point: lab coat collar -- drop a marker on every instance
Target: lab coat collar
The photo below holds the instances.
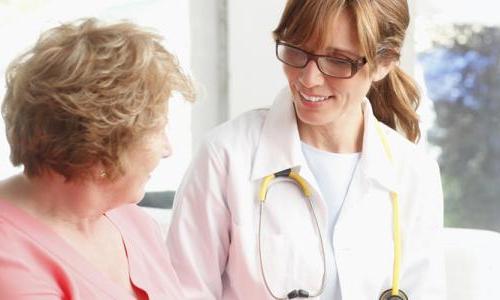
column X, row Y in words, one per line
column 280, row 147
column 375, row 162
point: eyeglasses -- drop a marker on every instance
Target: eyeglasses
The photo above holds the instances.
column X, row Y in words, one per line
column 329, row 65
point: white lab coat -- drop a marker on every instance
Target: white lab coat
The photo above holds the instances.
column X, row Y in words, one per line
column 213, row 235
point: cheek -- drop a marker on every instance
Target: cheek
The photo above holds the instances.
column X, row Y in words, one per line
column 344, row 86
column 291, row 73
column 166, row 147
column 356, row 87
column 154, row 157
column 155, row 149
column 146, row 161
column 363, row 87
column 364, row 81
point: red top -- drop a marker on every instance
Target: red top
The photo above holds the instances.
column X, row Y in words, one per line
column 36, row 263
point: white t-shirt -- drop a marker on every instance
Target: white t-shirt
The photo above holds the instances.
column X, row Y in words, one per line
column 333, row 173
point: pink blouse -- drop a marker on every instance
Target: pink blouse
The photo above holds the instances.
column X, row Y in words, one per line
column 36, row 263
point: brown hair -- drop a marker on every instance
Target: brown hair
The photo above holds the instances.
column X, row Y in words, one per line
column 84, row 94
column 381, row 27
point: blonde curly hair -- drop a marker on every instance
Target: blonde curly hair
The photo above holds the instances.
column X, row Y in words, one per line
column 84, row 94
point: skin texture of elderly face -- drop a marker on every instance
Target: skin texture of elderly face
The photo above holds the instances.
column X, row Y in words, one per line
column 141, row 159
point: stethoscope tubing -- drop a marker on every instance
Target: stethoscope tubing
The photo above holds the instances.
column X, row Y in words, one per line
column 301, row 183
column 394, row 292
column 396, row 230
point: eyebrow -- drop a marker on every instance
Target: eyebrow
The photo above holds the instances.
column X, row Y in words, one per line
column 349, row 53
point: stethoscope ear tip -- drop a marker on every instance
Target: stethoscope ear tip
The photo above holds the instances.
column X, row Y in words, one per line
column 387, row 295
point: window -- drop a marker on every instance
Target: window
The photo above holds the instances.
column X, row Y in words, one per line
column 458, row 47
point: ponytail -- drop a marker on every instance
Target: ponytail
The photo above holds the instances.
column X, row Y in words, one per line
column 394, row 100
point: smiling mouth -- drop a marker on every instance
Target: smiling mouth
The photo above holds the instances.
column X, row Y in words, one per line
column 314, row 99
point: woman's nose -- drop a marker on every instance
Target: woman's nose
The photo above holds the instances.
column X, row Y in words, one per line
column 167, row 148
column 311, row 76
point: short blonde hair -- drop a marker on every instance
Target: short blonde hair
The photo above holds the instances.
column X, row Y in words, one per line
column 84, row 93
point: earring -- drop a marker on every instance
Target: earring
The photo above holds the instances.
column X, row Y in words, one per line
column 102, row 174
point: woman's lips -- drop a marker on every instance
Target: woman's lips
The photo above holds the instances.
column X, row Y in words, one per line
column 313, row 100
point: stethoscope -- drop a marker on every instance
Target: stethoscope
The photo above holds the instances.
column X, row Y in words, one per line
column 393, row 293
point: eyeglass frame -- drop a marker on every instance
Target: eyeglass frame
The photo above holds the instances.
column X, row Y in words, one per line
column 355, row 64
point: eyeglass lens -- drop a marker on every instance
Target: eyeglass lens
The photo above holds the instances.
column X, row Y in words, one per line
column 331, row 66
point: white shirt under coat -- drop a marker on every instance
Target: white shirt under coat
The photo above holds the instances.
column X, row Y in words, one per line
column 212, row 237
column 333, row 173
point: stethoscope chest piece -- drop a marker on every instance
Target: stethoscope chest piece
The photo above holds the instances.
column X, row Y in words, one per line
column 387, row 295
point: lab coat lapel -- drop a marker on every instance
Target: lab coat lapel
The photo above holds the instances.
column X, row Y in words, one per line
column 375, row 162
column 279, row 143
column 374, row 174
column 279, row 148
column 375, row 168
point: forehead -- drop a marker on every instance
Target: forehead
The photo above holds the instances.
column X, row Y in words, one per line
column 339, row 36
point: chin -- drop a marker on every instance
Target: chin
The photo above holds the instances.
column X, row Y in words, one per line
column 133, row 198
column 313, row 119
column 138, row 198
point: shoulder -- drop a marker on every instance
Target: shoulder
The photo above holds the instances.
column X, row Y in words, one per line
column 133, row 219
column 137, row 226
column 18, row 247
column 413, row 158
column 14, row 232
column 234, row 139
column 418, row 179
column 24, row 270
column 244, row 126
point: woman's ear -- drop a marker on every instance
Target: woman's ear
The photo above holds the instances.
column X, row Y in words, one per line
column 383, row 68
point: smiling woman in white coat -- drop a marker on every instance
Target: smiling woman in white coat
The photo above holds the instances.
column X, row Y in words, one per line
column 324, row 195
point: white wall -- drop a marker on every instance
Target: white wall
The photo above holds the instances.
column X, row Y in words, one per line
column 255, row 74
column 208, row 21
column 233, row 59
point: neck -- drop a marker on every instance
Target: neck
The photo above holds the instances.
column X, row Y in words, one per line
column 339, row 136
column 70, row 205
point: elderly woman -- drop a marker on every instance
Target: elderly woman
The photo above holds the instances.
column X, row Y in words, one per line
column 85, row 114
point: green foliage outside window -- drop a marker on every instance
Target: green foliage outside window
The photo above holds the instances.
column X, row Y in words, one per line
column 462, row 73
